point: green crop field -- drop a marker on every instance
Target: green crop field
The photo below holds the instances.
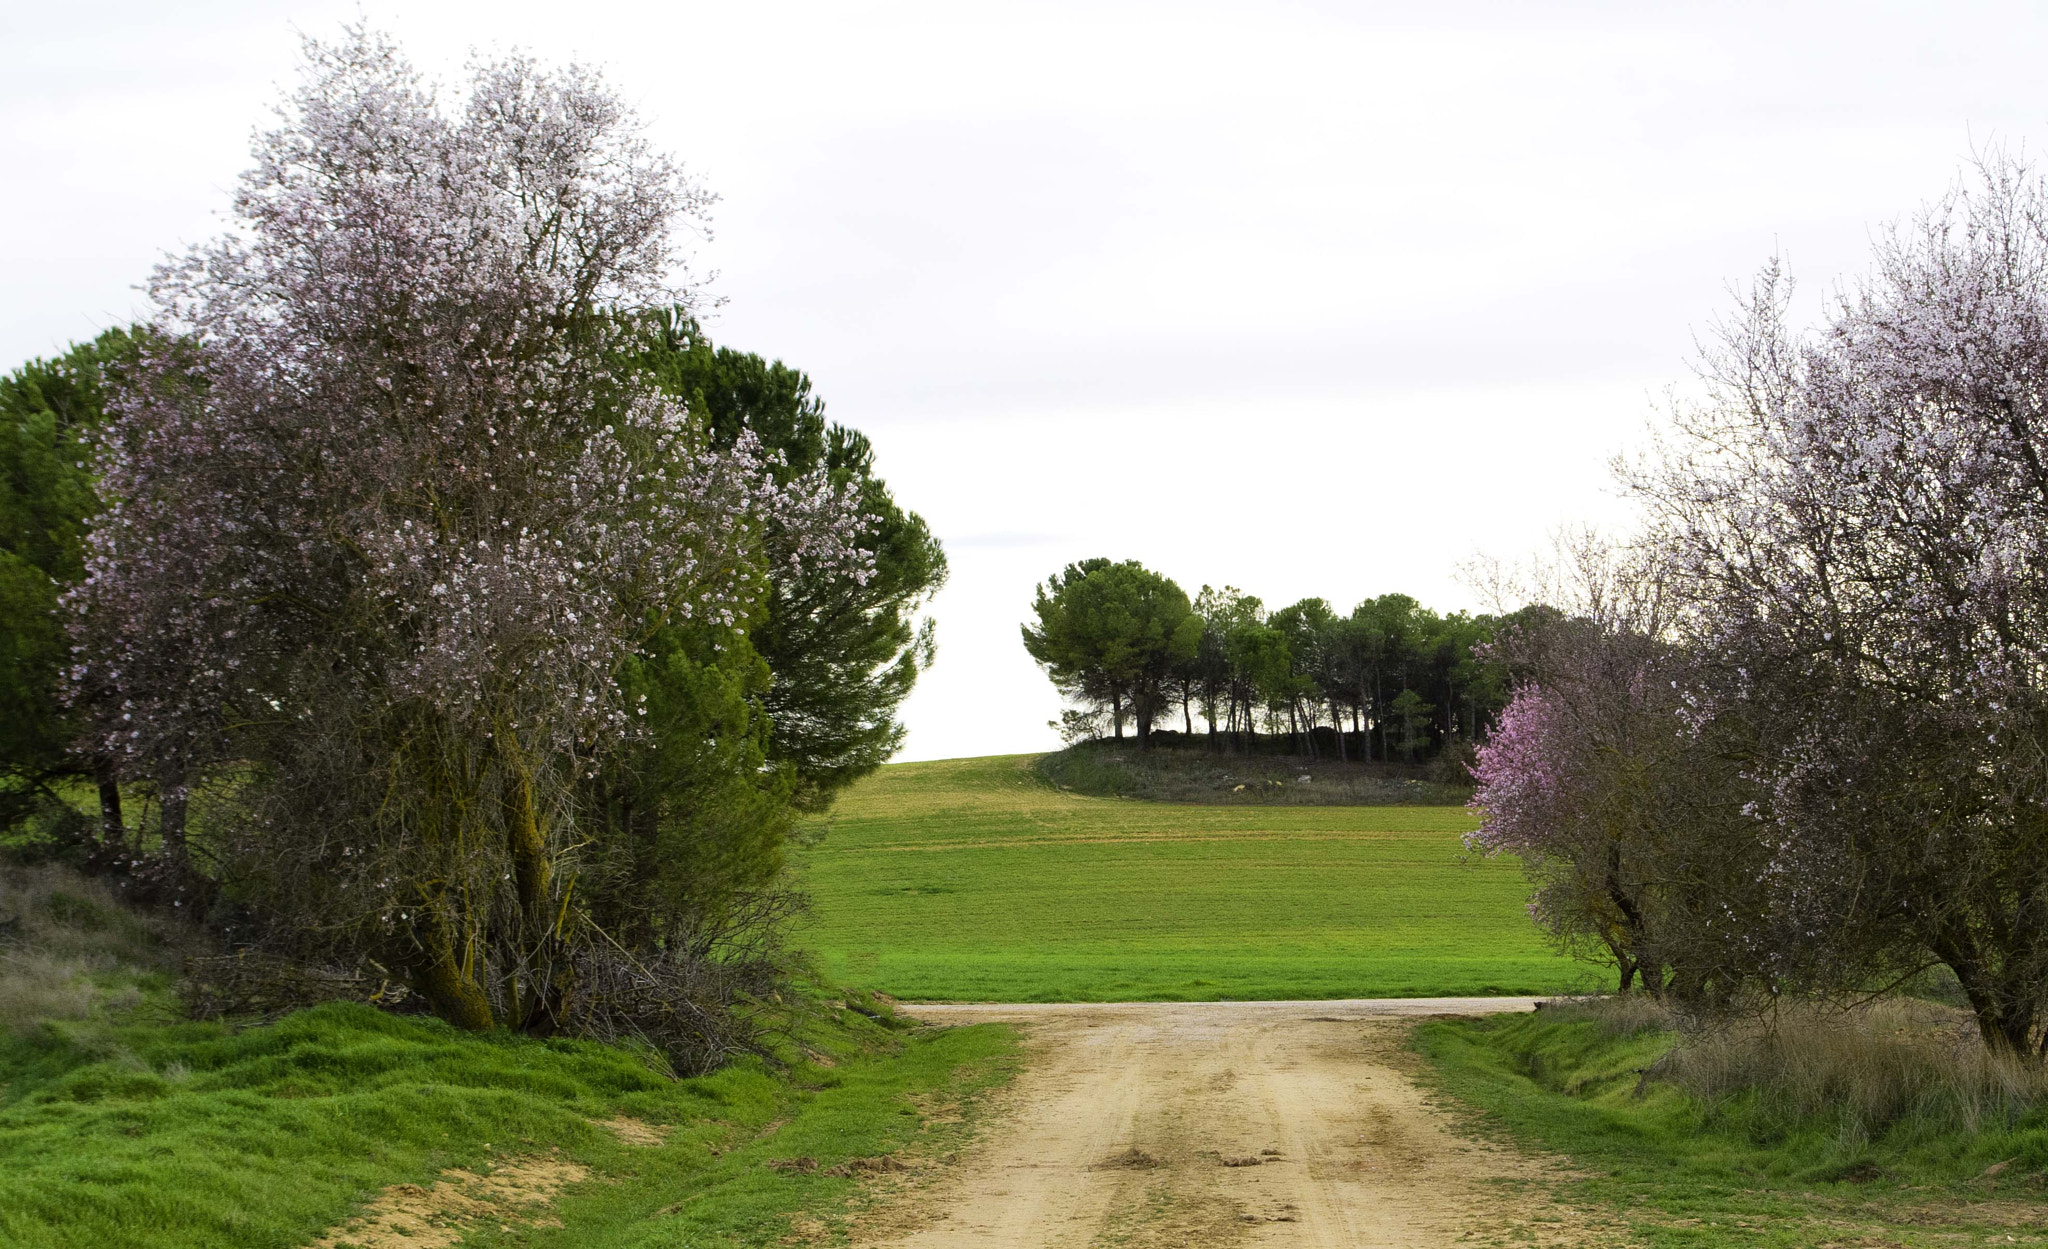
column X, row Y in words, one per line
column 973, row 880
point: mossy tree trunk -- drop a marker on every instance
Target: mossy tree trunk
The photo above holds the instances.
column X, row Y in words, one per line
column 540, row 984
column 447, row 975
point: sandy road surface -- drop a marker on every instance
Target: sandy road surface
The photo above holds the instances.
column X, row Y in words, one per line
column 1224, row 1124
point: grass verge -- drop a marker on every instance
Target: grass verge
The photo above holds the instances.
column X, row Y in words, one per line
column 123, row 1125
column 1744, row 1161
column 190, row 1135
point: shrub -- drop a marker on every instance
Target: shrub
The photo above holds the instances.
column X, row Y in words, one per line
column 1107, row 769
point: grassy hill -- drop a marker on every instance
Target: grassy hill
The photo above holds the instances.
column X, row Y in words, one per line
column 974, row 879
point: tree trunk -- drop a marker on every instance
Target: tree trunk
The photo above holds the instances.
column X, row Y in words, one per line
column 527, row 849
column 1626, row 944
column 538, row 1009
column 1116, row 712
column 113, row 826
column 2005, row 1013
column 1624, row 964
column 447, row 979
column 1378, row 721
column 1337, row 724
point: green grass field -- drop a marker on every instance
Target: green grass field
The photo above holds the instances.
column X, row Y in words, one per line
column 974, row 880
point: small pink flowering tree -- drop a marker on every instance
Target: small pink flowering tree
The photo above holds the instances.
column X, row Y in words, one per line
column 1625, row 816
column 373, row 566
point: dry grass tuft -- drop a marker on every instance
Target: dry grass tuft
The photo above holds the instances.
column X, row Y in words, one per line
column 1615, row 1016
column 69, row 949
column 1872, row 1069
column 34, row 987
column 1899, row 1064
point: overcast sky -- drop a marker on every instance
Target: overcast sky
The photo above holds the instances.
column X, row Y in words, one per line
column 1304, row 298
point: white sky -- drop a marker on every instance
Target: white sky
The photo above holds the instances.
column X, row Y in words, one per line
column 1306, row 298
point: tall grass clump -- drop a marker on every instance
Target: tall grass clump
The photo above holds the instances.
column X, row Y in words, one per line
column 1613, row 1018
column 69, row 949
column 1902, row 1070
column 1680, row 1109
column 1897, row 1067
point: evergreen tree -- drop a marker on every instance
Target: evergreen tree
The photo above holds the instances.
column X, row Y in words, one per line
column 50, row 414
column 843, row 652
column 1113, row 634
column 1385, row 632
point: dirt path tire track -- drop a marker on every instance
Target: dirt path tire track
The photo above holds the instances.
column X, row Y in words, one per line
column 1133, row 1124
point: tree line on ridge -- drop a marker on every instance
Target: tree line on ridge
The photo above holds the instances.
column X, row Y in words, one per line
column 1389, row 681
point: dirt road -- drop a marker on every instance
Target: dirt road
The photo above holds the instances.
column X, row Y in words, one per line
column 1224, row 1124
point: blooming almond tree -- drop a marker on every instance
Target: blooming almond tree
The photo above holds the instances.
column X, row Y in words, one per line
column 1858, row 526
column 374, row 563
